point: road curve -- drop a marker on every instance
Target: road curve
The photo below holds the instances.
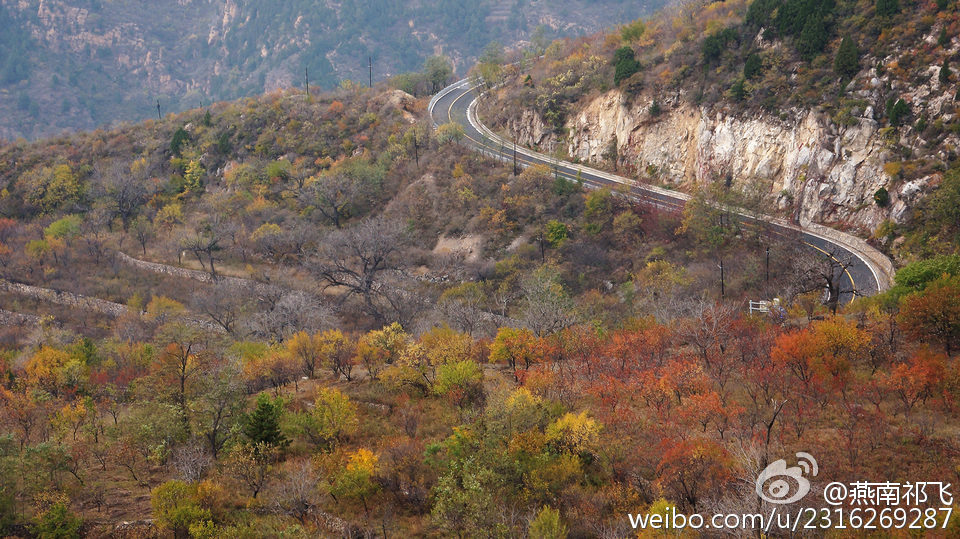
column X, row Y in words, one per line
column 869, row 272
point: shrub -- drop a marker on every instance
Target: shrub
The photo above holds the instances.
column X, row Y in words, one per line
column 175, row 507
column 655, row 109
column 547, row 525
column 882, row 197
column 714, row 44
column 916, row 275
column 557, row 233
column 625, row 63
column 58, row 522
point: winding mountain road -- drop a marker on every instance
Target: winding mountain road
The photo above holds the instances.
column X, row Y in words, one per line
column 869, row 271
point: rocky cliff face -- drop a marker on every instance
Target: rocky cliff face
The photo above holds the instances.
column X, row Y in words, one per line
column 814, row 169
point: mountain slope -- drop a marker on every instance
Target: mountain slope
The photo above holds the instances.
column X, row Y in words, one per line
column 849, row 119
column 77, row 64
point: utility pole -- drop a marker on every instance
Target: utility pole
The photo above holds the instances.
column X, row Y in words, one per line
column 722, row 294
column 158, row 110
column 768, row 263
column 370, row 65
column 306, row 78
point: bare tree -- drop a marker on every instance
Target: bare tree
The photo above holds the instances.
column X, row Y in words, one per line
column 546, row 306
column 359, row 259
column 288, row 312
column 95, row 228
column 205, row 241
column 143, row 231
column 707, row 328
column 815, row 269
column 297, row 494
column 191, row 461
column 224, row 303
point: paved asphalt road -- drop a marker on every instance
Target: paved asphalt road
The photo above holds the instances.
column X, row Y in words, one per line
column 454, row 104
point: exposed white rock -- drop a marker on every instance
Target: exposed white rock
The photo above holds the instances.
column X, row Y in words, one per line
column 829, row 172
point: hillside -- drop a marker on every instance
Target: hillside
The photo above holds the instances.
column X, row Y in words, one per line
column 850, row 122
column 79, row 64
column 302, row 315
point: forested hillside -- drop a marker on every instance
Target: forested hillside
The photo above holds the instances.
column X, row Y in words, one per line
column 838, row 112
column 306, row 315
column 80, row 64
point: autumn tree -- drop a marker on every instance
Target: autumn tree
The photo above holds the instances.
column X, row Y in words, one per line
column 187, row 351
column 250, row 464
column 357, row 480
column 358, row 260
column 51, row 188
column 332, row 419
column 460, row 381
column 450, row 133
column 933, row 314
column 380, row 347
column 691, row 468
column 917, row 379
column 218, row 408
column 513, row 347
column 305, row 349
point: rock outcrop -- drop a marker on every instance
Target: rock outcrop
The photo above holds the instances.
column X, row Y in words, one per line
column 822, row 172
column 815, row 169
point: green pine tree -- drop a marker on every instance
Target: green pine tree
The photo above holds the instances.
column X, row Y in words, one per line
column 847, row 61
column 180, row 137
column 263, row 425
column 944, row 39
column 625, row 63
column 813, row 38
column 886, row 8
column 753, row 66
column 738, row 91
column 897, row 112
column 945, row 71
